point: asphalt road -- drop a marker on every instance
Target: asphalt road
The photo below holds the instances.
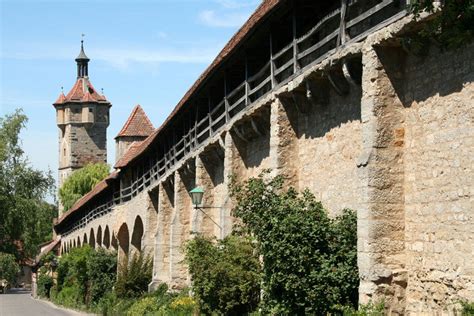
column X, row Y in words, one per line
column 20, row 303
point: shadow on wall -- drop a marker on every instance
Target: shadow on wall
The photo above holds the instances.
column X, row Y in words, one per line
column 417, row 78
column 213, row 162
column 314, row 112
column 251, row 137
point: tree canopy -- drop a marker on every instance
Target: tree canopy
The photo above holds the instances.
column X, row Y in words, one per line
column 80, row 182
column 26, row 218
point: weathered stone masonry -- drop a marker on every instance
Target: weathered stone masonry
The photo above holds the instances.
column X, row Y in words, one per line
column 394, row 140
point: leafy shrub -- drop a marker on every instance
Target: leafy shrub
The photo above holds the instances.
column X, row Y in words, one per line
column 101, row 273
column 143, row 306
column 467, row 309
column 164, row 303
column 70, row 296
column 134, row 276
column 309, row 259
column 183, row 305
column 225, row 274
column 88, row 272
column 44, row 285
column 9, row 268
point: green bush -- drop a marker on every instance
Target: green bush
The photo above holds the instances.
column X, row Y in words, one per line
column 44, row 285
column 309, row 259
column 467, row 309
column 134, row 276
column 87, row 275
column 225, row 274
column 101, row 273
column 143, row 306
column 70, row 296
column 9, row 268
column 164, row 303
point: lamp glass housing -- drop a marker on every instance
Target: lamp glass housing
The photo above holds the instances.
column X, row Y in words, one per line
column 196, row 196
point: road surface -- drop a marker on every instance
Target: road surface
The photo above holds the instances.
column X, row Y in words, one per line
column 20, row 303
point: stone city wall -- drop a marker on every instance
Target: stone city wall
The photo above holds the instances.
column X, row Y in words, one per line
column 398, row 148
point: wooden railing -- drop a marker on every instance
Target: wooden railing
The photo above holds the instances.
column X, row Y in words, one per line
column 311, row 48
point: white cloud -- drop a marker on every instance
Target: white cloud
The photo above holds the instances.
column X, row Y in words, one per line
column 122, row 58
column 211, row 18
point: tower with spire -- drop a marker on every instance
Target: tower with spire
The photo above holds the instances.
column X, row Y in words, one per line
column 82, row 116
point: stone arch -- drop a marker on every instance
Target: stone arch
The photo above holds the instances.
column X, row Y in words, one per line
column 99, row 236
column 75, row 243
column 84, row 239
column 78, row 241
column 123, row 238
column 137, row 234
column 114, row 242
column 92, row 238
column 106, row 241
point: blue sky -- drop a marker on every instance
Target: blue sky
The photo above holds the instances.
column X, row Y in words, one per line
column 142, row 52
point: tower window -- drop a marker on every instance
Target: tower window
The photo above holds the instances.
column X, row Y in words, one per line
column 90, row 110
column 64, row 151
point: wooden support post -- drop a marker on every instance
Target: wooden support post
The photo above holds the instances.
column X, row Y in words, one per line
column 209, row 114
column 296, row 65
column 195, row 124
column 246, row 80
column 226, row 102
column 272, row 70
column 341, row 38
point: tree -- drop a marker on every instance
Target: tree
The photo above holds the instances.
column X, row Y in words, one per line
column 309, row 259
column 451, row 27
column 8, row 267
column 26, row 219
column 225, row 274
column 80, row 182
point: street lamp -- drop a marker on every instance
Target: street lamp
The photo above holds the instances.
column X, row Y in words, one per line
column 196, row 197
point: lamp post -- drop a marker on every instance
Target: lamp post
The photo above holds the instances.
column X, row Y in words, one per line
column 196, row 196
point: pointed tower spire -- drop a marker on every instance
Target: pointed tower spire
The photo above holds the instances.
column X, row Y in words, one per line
column 82, row 62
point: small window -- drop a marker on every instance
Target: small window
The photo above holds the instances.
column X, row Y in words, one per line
column 91, row 110
column 64, row 151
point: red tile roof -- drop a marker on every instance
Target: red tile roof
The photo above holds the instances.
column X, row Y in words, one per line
column 82, row 91
column 137, row 124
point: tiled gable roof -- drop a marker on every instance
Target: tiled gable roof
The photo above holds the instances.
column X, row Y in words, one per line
column 137, row 124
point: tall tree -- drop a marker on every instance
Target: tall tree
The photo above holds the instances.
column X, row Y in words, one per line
column 25, row 218
column 80, row 182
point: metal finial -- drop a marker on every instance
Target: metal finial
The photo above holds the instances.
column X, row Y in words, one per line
column 62, row 89
column 102, row 90
column 82, row 38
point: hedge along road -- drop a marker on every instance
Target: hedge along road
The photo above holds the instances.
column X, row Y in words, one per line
column 20, row 303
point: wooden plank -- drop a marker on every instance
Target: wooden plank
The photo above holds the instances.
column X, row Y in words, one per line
column 319, row 25
column 285, row 66
column 319, row 44
column 264, row 82
column 368, row 13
